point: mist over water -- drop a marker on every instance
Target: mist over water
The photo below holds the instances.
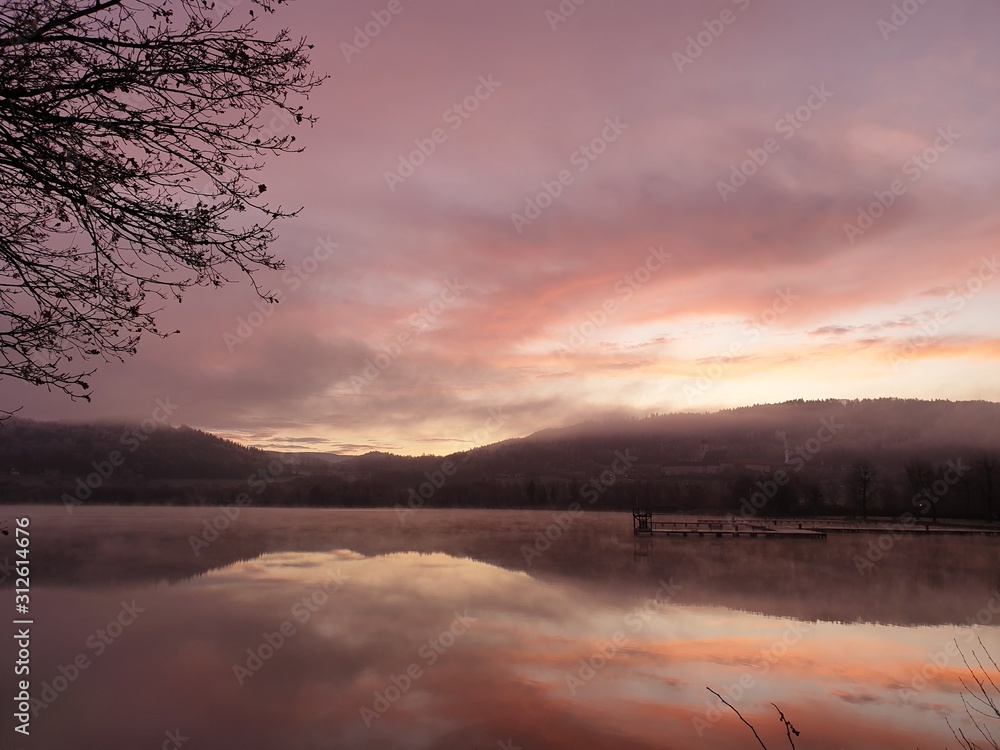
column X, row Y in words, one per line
column 466, row 629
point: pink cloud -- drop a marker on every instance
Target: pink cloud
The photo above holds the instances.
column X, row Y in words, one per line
column 656, row 184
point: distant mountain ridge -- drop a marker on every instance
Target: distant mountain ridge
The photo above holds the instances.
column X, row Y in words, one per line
column 887, row 431
column 695, row 462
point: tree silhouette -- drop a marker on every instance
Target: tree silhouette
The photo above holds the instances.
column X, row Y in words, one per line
column 128, row 144
column 531, row 490
column 988, row 465
column 919, row 477
column 864, row 478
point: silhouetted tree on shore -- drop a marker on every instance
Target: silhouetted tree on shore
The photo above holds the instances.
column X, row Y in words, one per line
column 864, row 479
column 920, row 476
column 987, row 465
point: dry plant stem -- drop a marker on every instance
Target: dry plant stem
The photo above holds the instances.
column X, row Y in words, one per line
column 981, row 702
column 739, row 715
column 789, row 728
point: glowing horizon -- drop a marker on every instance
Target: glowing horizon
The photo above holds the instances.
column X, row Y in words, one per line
column 627, row 208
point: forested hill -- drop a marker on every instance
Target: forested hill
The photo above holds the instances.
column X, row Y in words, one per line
column 689, row 461
column 154, row 452
column 885, row 432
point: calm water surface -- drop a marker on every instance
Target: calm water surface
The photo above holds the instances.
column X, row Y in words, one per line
column 466, row 629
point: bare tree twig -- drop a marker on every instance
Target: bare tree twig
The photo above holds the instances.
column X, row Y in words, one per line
column 739, row 715
column 789, row 729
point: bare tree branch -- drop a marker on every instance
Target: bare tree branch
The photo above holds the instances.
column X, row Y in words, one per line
column 129, row 135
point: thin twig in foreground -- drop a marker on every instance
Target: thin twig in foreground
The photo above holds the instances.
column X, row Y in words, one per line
column 789, row 729
column 740, row 715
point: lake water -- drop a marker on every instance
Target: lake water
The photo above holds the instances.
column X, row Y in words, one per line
column 466, row 629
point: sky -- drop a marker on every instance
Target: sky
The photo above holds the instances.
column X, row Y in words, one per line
column 527, row 214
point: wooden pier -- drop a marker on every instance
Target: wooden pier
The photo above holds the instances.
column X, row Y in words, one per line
column 665, row 522
column 646, row 523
